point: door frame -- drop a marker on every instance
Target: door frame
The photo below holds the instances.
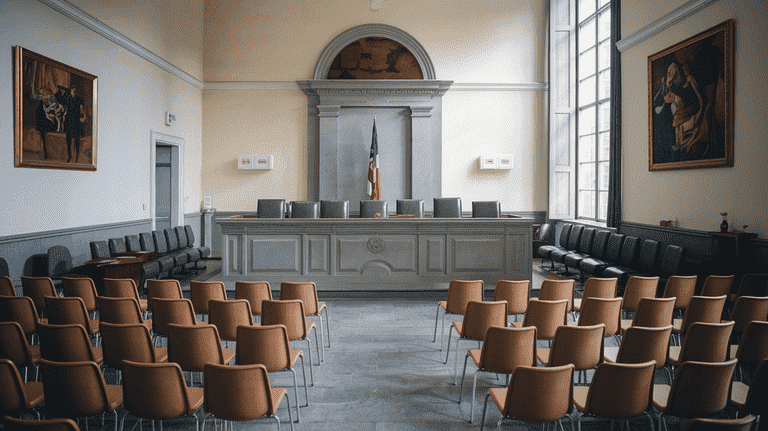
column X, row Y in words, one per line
column 177, row 175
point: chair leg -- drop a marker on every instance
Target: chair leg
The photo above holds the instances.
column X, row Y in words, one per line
column 442, row 331
column 474, row 389
column 485, row 409
column 456, row 363
column 304, row 371
column 296, row 393
column 290, row 416
column 328, row 327
column 311, row 372
column 461, row 390
column 437, row 314
column 448, row 349
column 319, row 348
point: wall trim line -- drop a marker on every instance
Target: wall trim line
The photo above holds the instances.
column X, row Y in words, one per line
column 686, row 10
column 676, row 230
column 71, row 231
column 99, row 27
column 457, row 86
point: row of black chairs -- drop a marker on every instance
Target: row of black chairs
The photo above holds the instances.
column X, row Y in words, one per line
column 443, row 208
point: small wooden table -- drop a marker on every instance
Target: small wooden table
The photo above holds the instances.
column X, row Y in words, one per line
column 124, row 265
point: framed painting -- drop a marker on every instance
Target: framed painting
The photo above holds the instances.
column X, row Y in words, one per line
column 690, row 102
column 55, row 109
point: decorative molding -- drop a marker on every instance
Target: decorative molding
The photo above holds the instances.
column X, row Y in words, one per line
column 394, row 87
column 72, row 231
column 505, row 86
column 193, row 215
column 662, row 229
column 251, row 85
column 686, row 10
column 96, row 25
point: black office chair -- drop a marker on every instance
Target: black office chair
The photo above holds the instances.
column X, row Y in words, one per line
column 369, row 209
column 303, row 209
column 446, row 208
column 411, row 206
column 270, row 208
column 486, row 209
column 334, row 209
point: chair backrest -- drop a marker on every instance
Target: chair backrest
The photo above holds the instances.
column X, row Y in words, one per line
column 37, row 288
column 628, row 253
column 119, row 310
column 613, row 247
column 639, row 287
column 121, row 288
column 546, row 316
column 14, row 345
column 227, row 315
column 486, row 209
column 19, row 309
column 482, row 315
column 200, row 292
column 65, row 343
column 706, row 342
column 516, row 293
column 146, row 241
column 599, row 244
column 167, row 311
column 334, row 209
column 63, row 311
column 654, row 312
column 4, row 271
column 270, row 208
column 700, row 388
column 99, row 250
column 132, row 243
column 63, row 379
column 596, row 287
column 131, row 342
column 753, row 345
column 300, row 209
column 254, row 292
column 170, row 289
column 682, row 288
column 747, row 309
column 706, row 309
column 545, row 233
column 717, row 285
column 446, row 207
column 287, row 312
column 574, row 237
column 369, row 209
column 565, row 233
column 460, row 292
column 267, row 345
column 306, row 291
column 586, row 240
column 238, row 393
column 539, row 394
column 116, row 245
column 12, row 396
column 161, row 245
column 411, row 206
column 706, row 424
column 581, row 346
column 59, row 260
column 554, row 290
column 753, row 285
column 6, row 286
column 193, row 346
column 190, row 235
column 505, row 349
column 170, row 239
column 181, row 235
column 59, row 424
column 671, row 259
column 646, row 260
column 627, row 400
column 757, row 396
column 148, row 388
column 641, row 344
column 606, row 311
column 82, row 288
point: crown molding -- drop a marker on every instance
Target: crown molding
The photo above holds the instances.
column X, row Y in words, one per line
column 250, row 85
column 505, row 86
column 460, row 86
column 99, row 27
column 687, row 9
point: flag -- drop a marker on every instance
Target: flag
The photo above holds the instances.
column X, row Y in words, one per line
column 374, row 181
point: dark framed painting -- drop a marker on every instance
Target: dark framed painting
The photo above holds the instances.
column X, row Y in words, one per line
column 690, row 102
column 55, row 109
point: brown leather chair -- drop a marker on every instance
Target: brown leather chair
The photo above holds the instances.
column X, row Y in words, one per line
column 254, row 292
column 641, row 344
column 752, row 285
column 460, row 292
column 22, row 310
column 636, row 289
column 124, row 288
column 158, row 392
column 168, row 289
column 651, row 313
column 703, row 342
column 555, row 290
column 581, row 346
column 546, row 316
column 77, row 389
column 38, row 288
column 121, row 311
column 16, row 396
column 606, row 398
column 200, row 292
column 479, row 317
column 242, row 393
column 67, row 343
column 269, row 346
column 516, row 293
column 290, row 313
column 596, row 287
column 129, row 341
column 752, row 347
column 82, row 288
column 14, row 346
column 535, row 395
column 752, row 399
column 167, row 311
column 193, row 346
column 706, row 309
column 682, row 288
column 60, row 424
column 717, row 285
column 601, row 310
column 65, row 311
column 6, row 286
column 747, row 309
column 705, row 424
column 307, row 293
column 227, row 315
column 699, row 389
column 504, row 350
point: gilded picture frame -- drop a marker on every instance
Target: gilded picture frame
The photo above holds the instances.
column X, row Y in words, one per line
column 690, row 102
column 55, row 113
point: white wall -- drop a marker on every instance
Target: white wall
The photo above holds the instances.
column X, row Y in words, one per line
column 133, row 96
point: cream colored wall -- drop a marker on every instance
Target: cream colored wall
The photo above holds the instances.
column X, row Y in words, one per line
column 133, row 96
column 172, row 29
column 696, row 196
column 271, row 42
